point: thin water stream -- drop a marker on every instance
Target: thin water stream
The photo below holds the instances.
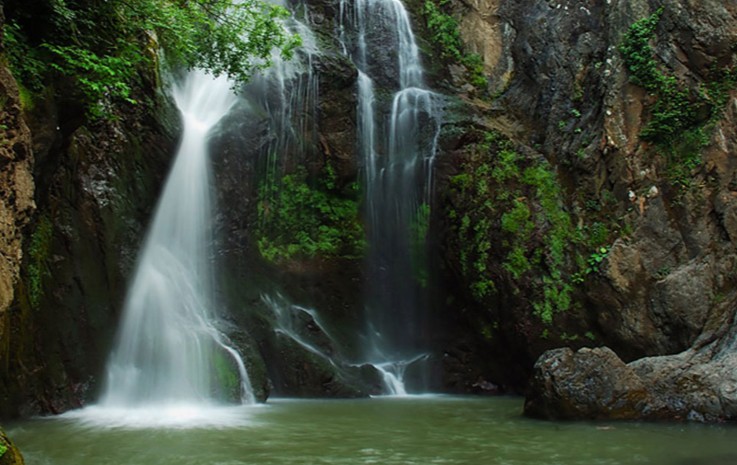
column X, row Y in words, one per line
column 386, row 431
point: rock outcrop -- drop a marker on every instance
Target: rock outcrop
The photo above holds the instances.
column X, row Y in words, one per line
column 649, row 261
column 594, row 384
column 16, row 187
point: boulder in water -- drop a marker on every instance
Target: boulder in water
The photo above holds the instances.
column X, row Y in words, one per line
column 696, row 385
column 588, row 384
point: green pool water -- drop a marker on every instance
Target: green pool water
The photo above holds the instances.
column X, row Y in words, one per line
column 385, row 431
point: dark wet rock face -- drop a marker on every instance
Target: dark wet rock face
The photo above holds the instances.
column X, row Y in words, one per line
column 95, row 187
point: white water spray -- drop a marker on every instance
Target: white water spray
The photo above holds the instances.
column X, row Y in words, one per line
column 170, row 356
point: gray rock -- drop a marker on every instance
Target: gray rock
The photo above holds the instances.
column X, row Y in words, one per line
column 695, row 385
column 588, row 384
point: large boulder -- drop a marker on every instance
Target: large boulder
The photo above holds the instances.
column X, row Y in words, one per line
column 588, row 384
column 699, row 384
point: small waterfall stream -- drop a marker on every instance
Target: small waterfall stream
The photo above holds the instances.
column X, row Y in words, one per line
column 168, row 349
column 287, row 93
column 397, row 159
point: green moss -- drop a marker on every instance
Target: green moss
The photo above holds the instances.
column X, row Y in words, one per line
column 419, row 228
column 518, row 220
column 226, row 375
column 39, row 250
column 525, row 197
column 301, row 219
column 517, row 263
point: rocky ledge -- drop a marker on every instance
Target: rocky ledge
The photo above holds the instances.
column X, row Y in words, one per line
column 699, row 384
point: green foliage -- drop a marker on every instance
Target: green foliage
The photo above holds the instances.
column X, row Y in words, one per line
column 517, row 263
column 302, row 220
column 519, row 201
column 506, row 167
column 474, row 253
column 98, row 77
column 444, row 29
column 560, row 234
column 3, row 449
column 592, row 264
column 101, row 45
column 638, row 56
column 39, row 250
column 681, row 118
column 461, row 181
column 26, row 62
column 524, row 197
column 518, row 220
column 598, row 233
column 445, row 34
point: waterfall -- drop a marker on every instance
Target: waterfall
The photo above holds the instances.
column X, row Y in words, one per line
column 287, row 93
column 397, row 178
column 169, row 351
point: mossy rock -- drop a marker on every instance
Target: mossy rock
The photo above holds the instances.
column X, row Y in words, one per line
column 9, row 454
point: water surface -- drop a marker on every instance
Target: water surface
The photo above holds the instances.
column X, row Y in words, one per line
column 386, row 431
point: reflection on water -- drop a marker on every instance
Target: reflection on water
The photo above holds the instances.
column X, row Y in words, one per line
column 386, row 431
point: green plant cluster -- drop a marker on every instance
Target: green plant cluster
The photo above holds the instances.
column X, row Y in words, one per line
column 520, row 201
column 446, row 35
column 592, row 264
column 39, row 251
column 303, row 218
column 101, row 45
column 681, row 118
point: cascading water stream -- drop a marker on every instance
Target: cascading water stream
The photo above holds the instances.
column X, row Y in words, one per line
column 287, row 93
column 398, row 178
column 168, row 345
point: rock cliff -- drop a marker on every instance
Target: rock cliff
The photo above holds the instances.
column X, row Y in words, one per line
column 96, row 182
column 17, row 188
column 631, row 246
column 585, row 194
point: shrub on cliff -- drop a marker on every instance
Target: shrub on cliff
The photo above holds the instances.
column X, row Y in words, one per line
column 100, row 45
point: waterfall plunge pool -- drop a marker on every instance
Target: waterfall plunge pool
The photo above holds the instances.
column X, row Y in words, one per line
column 384, row 431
